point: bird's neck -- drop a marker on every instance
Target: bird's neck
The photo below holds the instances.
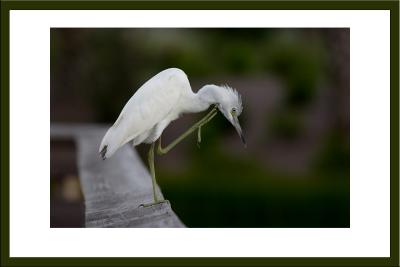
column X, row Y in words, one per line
column 205, row 97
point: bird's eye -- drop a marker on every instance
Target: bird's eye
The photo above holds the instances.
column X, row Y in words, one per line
column 233, row 111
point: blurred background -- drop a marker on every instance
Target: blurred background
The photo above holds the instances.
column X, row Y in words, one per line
column 295, row 171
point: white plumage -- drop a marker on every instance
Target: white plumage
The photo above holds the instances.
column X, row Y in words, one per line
column 161, row 100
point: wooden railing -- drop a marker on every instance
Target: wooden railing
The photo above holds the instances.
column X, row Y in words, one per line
column 113, row 189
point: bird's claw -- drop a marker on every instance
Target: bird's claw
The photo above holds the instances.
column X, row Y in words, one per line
column 154, row 203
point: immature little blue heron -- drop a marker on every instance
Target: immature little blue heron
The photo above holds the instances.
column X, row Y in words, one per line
column 159, row 101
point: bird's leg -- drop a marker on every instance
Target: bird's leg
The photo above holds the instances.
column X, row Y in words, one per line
column 165, row 150
column 153, row 179
column 152, row 171
column 196, row 126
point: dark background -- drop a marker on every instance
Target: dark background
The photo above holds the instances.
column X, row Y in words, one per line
column 295, row 90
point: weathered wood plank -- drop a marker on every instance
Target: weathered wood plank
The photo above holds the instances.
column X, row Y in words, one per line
column 113, row 189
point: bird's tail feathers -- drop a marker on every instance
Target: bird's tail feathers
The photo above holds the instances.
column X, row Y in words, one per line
column 108, row 145
column 103, row 152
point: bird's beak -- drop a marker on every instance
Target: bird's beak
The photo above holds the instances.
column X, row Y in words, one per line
column 235, row 123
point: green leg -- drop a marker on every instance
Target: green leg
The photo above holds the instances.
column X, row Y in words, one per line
column 152, row 171
column 196, row 126
column 165, row 150
column 153, row 179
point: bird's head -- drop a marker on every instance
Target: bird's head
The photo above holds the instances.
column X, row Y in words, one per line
column 230, row 104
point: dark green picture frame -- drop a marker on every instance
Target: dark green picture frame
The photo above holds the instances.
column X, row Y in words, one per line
column 393, row 6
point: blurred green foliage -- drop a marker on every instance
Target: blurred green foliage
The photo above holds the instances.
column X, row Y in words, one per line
column 301, row 66
column 333, row 158
column 287, row 124
column 219, row 190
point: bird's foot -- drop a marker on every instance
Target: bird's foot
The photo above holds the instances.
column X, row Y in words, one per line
column 154, row 203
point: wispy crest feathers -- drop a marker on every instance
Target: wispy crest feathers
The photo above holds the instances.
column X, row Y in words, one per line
column 235, row 96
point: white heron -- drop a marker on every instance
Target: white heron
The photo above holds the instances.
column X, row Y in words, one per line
column 157, row 103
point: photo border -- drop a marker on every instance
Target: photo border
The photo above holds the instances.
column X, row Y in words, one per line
column 393, row 6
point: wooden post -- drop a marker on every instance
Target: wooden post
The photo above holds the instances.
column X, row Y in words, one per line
column 113, row 189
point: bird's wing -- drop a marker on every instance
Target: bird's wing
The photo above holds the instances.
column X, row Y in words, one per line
column 148, row 106
column 147, row 109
